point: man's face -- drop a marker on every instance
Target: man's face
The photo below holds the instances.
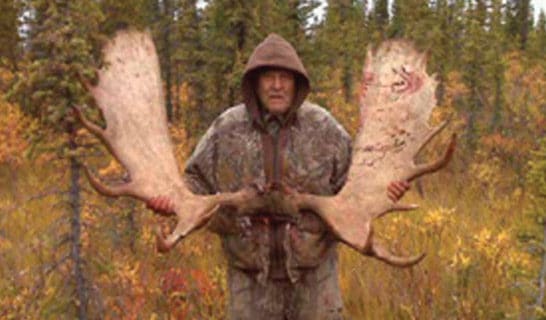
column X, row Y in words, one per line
column 276, row 89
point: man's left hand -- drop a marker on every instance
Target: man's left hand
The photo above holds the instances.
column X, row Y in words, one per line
column 397, row 189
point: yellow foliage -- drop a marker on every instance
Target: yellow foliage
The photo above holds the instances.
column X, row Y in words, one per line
column 12, row 129
column 181, row 143
column 184, row 95
column 5, row 244
column 524, row 94
column 455, row 88
column 436, row 220
column 112, row 169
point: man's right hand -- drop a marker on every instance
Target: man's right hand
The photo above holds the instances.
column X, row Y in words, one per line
column 161, row 205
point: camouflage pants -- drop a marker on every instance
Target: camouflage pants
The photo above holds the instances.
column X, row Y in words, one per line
column 316, row 296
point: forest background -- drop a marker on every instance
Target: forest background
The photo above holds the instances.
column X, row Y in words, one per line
column 66, row 252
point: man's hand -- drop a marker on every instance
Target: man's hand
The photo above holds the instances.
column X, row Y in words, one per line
column 397, row 189
column 161, row 205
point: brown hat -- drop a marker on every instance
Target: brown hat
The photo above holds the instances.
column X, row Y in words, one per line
column 274, row 52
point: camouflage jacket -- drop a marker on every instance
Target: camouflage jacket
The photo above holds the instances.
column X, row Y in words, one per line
column 315, row 152
column 304, row 149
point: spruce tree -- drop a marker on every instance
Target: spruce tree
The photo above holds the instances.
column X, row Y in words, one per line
column 226, row 27
column 62, row 38
column 380, row 19
column 445, row 39
column 190, row 64
column 123, row 14
column 340, row 56
column 519, row 21
column 537, row 39
column 473, row 62
column 9, row 34
column 496, row 65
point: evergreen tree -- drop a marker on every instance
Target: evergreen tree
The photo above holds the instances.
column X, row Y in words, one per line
column 61, row 38
column 396, row 27
column 496, row 65
column 161, row 15
column 473, row 62
column 123, row 14
column 380, row 19
column 412, row 19
column 541, row 33
column 537, row 39
column 519, row 21
column 190, row 64
column 226, row 27
column 9, row 34
column 340, row 56
column 445, row 39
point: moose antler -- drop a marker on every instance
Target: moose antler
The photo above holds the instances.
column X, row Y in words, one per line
column 130, row 95
column 394, row 128
column 396, row 102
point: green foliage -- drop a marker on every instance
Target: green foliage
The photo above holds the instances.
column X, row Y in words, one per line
column 519, row 21
column 536, row 178
column 380, row 18
column 9, row 33
column 123, row 14
column 61, row 40
column 537, row 38
column 412, row 20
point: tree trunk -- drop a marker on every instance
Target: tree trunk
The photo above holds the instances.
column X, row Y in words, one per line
column 75, row 252
column 524, row 20
column 176, row 95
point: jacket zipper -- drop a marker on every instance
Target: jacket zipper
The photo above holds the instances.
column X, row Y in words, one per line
column 276, row 153
column 277, row 229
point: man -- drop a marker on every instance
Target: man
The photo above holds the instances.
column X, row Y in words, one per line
column 280, row 266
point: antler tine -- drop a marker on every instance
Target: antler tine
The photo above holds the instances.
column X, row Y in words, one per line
column 398, row 207
column 98, row 132
column 182, row 229
column 93, row 128
column 436, row 165
column 378, row 251
column 196, row 211
column 433, row 134
column 162, row 245
column 111, row 191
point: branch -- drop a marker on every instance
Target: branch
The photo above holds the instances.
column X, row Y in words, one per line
column 38, row 196
column 54, row 265
column 45, row 269
column 482, row 99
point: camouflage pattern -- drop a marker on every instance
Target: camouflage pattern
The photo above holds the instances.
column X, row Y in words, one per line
column 282, row 266
column 315, row 297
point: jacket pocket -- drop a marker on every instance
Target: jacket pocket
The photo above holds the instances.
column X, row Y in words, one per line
column 248, row 251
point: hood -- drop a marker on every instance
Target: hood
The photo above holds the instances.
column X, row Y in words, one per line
column 274, row 51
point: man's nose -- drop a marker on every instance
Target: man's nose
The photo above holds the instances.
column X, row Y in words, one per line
column 277, row 82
